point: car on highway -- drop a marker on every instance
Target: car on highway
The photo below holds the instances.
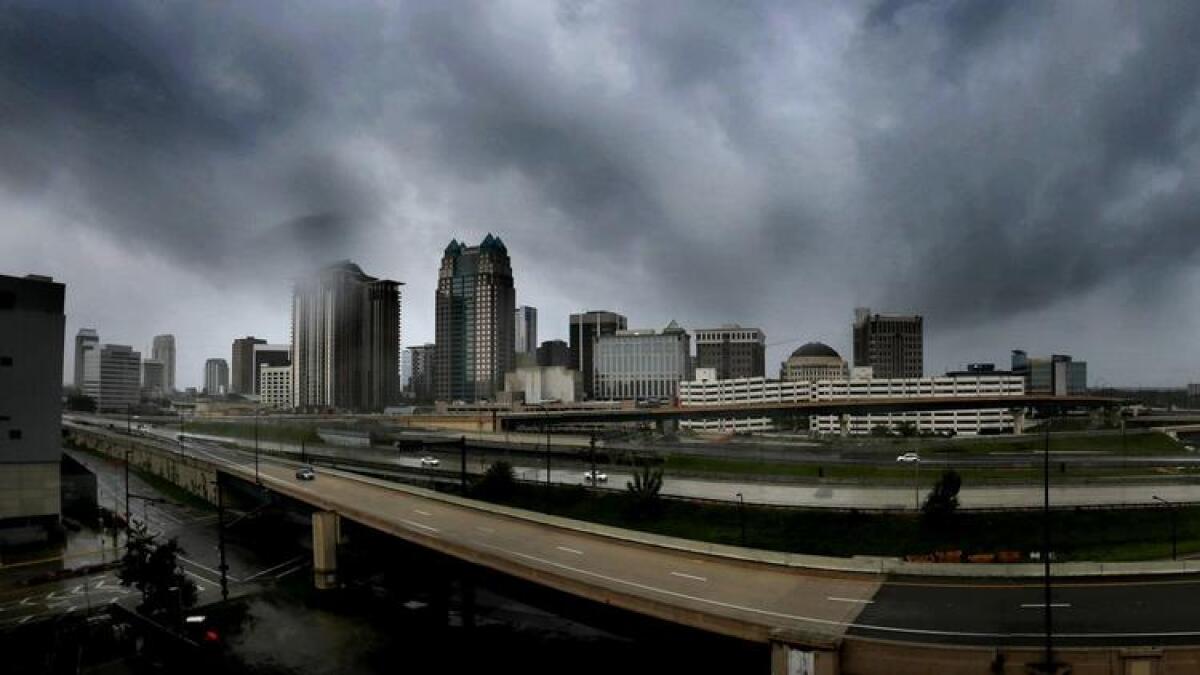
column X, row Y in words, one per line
column 306, row 473
column 430, row 461
column 908, row 457
column 595, row 477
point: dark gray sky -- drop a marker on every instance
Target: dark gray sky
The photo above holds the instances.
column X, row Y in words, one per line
column 1024, row 174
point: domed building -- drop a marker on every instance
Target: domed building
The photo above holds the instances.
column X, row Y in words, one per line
column 814, row 361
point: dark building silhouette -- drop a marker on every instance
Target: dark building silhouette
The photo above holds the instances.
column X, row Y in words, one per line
column 893, row 345
column 554, row 353
column 733, row 351
column 584, row 329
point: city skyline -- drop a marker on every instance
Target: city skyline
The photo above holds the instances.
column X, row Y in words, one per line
column 767, row 165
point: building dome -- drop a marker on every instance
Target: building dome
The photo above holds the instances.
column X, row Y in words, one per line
column 816, row 349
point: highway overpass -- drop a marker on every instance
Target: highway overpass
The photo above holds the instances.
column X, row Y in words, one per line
column 838, row 615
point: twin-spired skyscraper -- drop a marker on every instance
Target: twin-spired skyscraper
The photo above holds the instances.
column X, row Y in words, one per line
column 345, row 340
column 474, row 327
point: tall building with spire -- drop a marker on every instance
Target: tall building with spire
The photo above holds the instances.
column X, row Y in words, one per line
column 345, row 340
column 476, row 305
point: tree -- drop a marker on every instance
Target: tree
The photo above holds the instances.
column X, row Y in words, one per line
column 153, row 568
column 880, row 431
column 907, row 429
column 942, row 500
column 499, row 482
column 644, row 489
column 81, row 403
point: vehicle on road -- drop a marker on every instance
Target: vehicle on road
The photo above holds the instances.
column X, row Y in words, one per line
column 430, row 461
column 306, row 473
column 908, row 457
column 595, row 477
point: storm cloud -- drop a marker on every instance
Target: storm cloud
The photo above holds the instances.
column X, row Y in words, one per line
column 1023, row 174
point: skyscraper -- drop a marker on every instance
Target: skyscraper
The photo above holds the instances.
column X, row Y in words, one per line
column 893, row 345
column 216, row 377
column 525, row 325
column 345, row 340
column 584, row 329
column 112, row 376
column 732, row 351
column 476, row 302
column 84, row 338
column 163, row 349
column 154, row 376
column 31, row 370
column 243, row 372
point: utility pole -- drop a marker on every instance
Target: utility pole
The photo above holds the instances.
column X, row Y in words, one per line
column 917, row 485
column 180, row 434
column 1049, row 616
column 128, row 451
column 223, row 567
column 462, row 449
column 257, row 479
column 1174, row 530
column 742, row 517
column 592, row 453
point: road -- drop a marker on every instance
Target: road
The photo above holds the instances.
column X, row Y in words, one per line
column 750, row 599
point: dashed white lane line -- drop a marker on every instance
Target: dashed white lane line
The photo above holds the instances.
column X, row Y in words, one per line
column 693, row 577
column 858, row 601
column 423, row 526
column 572, row 551
column 487, row 530
column 1042, row 605
column 24, row 619
column 423, row 513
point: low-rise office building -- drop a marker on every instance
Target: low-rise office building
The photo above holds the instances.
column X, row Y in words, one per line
column 275, row 387
column 543, row 384
column 642, row 364
column 760, row 390
column 732, row 350
column 112, row 376
column 154, row 378
column 1056, row 375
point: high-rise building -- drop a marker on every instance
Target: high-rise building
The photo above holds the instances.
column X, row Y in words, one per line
column 84, row 338
column 893, row 345
column 216, row 377
column 154, row 378
column 242, row 374
column 345, row 340
column 112, row 376
column 31, row 369
column 637, row 364
column 1056, row 375
column 525, row 325
column 275, row 387
column 163, row 349
column 422, row 359
column 733, row 351
column 555, row 353
column 476, row 304
column 268, row 355
column 584, row 329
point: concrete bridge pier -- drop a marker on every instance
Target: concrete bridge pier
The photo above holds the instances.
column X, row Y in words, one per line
column 1019, row 421
column 790, row 655
column 667, row 427
column 326, row 529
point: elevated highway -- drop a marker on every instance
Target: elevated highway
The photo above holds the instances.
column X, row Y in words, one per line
column 841, row 615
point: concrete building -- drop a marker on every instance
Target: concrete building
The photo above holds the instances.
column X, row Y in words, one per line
column 893, row 345
column 543, row 384
column 733, row 351
column 163, row 349
column 243, row 373
column 154, row 378
column 112, row 376
column 812, row 362
column 1056, row 375
column 585, row 328
column 32, row 329
column 275, row 387
column 269, row 355
column 84, row 338
column 555, row 353
column 423, row 361
column 525, row 324
column 642, row 364
column 476, row 305
column 701, row 392
column 216, row 377
column 345, row 340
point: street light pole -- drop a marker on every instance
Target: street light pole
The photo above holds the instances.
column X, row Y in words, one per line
column 223, row 567
column 1049, row 616
column 917, row 485
column 180, row 434
column 257, row 479
column 592, row 454
column 742, row 517
column 1174, row 531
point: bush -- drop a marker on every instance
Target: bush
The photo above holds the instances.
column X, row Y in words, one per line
column 498, row 482
column 644, row 491
column 942, row 500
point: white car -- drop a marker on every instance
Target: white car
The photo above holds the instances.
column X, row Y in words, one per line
column 430, row 461
column 306, row 473
column 595, row 477
column 908, row 458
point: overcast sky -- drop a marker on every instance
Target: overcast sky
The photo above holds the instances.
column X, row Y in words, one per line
column 1023, row 174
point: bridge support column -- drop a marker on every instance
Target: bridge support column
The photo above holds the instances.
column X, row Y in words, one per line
column 788, row 659
column 326, row 530
column 1019, row 421
column 668, row 427
column 844, row 425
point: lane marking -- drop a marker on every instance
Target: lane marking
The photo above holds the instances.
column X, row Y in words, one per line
column 423, row 526
column 24, row 619
column 485, row 529
column 424, row 513
column 200, row 578
column 1042, row 605
column 569, row 550
column 854, row 600
column 688, row 576
column 268, row 570
column 210, row 570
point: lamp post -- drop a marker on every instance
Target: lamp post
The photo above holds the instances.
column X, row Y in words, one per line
column 223, row 567
column 181, row 434
column 1174, row 530
column 742, row 517
column 592, row 456
column 1049, row 615
column 257, row 479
